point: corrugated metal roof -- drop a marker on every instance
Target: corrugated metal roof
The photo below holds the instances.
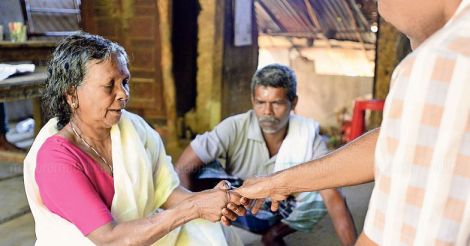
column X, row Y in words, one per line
column 318, row 19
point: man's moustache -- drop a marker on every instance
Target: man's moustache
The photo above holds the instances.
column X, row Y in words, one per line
column 268, row 120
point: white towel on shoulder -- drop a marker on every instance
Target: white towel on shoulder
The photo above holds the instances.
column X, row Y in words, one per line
column 297, row 148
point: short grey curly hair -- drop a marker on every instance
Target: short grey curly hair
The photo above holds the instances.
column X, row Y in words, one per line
column 277, row 76
column 67, row 69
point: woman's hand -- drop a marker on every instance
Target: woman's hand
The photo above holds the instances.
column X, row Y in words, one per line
column 234, row 207
column 219, row 204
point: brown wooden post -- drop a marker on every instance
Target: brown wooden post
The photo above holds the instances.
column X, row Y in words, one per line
column 169, row 96
column 240, row 63
column 224, row 70
column 209, row 67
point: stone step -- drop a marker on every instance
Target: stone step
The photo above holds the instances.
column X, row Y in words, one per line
column 16, row 222
column 18, row 232
column 8, row 170
column 12, row 198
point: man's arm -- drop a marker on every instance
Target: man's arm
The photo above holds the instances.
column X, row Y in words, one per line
column 340, row 216
column 186, row 165
column 350, row 165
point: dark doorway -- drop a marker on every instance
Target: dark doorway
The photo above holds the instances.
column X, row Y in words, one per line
column 184, row 45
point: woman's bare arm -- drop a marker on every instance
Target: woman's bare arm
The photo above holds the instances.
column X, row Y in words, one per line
column 181, row 207
column 144, row 231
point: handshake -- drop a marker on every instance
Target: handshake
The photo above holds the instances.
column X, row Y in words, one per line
column 225, row 203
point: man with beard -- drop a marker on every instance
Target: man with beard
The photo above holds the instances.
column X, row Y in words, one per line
column 264, row 140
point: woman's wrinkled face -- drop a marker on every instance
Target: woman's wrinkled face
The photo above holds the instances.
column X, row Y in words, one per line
column 104, row 92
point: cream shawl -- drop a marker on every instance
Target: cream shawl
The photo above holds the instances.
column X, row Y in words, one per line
column 143, row 179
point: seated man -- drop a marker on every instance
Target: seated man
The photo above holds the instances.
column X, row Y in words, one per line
column 265, row 140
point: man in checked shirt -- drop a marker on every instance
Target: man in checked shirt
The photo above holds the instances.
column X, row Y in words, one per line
column 420, row 157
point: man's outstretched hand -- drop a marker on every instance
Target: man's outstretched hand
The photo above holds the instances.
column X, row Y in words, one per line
column 259, row 188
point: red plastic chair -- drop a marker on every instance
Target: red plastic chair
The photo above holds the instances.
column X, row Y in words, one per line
column 358, row 126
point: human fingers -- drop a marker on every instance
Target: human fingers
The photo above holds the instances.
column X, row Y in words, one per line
column 278, row 197
column 238, row 210
column 234, row 197
column 275, row 200
column 245, row 201
column 257, row 205
column 274, row 206
column 225, row 221
column 229, row 214
column 255, row 188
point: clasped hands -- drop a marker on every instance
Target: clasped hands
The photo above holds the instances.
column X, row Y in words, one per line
column 225, row 204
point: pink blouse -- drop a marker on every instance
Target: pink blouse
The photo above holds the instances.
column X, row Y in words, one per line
column 73, row 186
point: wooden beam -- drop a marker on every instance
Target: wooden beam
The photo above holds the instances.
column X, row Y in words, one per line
column 314, row 19
column 295, row 15
column 355, row 27
column 270, row 14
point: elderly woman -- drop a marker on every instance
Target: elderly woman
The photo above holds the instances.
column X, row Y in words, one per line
column 97, row 174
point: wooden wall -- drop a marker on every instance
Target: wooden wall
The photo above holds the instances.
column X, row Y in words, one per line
column 222, row 72
column 135, row 25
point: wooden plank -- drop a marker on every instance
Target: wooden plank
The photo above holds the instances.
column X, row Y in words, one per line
column 11, row 157
column 37, row 52
column 23, row 86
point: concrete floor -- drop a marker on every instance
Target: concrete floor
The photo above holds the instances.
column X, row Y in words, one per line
column 324, row 234
column 17, row 224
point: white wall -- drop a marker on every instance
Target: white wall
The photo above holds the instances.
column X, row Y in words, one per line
column 322, row 97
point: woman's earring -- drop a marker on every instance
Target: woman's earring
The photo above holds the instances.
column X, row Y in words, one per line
column 74, row 105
